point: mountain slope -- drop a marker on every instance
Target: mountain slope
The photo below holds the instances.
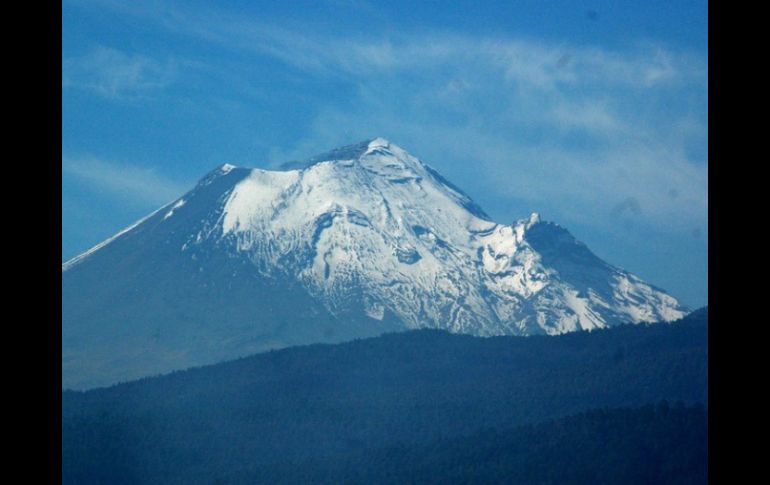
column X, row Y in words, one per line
column 351, row 243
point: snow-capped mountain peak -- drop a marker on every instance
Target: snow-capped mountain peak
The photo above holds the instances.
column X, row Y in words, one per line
column 371, row 235
column 370, row 218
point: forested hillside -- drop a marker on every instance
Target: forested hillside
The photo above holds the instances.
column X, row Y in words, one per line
column 426, row 394
column 660, row 444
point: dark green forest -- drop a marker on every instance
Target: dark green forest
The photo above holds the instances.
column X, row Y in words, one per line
column 655, row 444
column 416, row 407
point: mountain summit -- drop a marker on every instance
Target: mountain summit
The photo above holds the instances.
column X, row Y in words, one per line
column 351, row 243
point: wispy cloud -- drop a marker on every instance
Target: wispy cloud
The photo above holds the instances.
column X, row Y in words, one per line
column 543, row 64
column 577, row 128
column 114, row 74
column 526, row 62
column 134, row 184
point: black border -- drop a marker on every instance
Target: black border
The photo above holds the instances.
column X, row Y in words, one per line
column 53, row 350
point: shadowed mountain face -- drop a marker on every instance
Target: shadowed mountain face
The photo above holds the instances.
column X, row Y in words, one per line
column 352, row 243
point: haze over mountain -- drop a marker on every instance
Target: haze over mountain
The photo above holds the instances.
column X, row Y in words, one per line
column 352, row 243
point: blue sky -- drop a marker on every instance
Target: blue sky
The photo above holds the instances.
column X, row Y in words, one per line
column 594, row 114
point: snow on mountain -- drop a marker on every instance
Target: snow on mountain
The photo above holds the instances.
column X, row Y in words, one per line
column 368, row 237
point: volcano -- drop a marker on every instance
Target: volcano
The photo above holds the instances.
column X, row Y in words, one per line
column 352, row 243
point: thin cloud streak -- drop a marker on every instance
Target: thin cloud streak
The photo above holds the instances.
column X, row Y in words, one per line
column 134, row 184
column 116, row 75
column 540, row 64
